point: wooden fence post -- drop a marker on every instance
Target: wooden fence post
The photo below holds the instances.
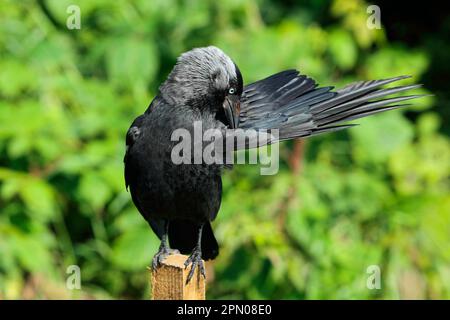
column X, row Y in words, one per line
column 169, row 281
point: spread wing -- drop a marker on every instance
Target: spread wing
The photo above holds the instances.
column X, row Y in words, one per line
column 294, row 104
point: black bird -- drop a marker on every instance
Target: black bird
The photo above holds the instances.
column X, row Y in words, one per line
column 180, row 200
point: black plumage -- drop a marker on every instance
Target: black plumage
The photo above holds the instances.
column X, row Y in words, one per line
column 180, row 200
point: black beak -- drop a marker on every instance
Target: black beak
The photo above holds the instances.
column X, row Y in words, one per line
column 232, row 108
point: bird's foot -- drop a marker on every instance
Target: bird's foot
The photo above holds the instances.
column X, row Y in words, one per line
column 195, row 260
column 162, row 254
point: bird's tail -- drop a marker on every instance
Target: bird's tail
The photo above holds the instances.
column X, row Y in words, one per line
column 183, row 236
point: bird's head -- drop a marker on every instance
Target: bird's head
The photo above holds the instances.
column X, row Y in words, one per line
column 208, row 79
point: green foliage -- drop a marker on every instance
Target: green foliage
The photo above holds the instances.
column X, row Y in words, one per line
column 376, row 194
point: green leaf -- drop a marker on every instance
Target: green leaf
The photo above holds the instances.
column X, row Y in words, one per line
column 94, row 190
column 134, row 249
column 379, row 136
column 39, row 198
column 32, row 253
column 343, row 49
column 131, row 61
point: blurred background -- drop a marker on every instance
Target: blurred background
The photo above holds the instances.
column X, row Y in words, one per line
column 377, row 194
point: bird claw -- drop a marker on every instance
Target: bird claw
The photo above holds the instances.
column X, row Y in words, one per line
column 161, row 255
column 195, row 259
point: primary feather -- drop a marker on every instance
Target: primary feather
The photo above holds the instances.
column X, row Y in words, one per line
column 293, row 104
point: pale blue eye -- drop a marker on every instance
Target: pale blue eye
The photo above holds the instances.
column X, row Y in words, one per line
column 231, row 91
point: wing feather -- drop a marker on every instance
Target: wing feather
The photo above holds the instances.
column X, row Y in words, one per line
column 294, row 104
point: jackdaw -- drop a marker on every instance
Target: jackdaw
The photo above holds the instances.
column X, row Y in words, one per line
column 179, row 201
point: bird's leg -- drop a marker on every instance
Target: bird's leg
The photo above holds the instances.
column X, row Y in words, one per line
column 164, row 249
column 195, row 259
